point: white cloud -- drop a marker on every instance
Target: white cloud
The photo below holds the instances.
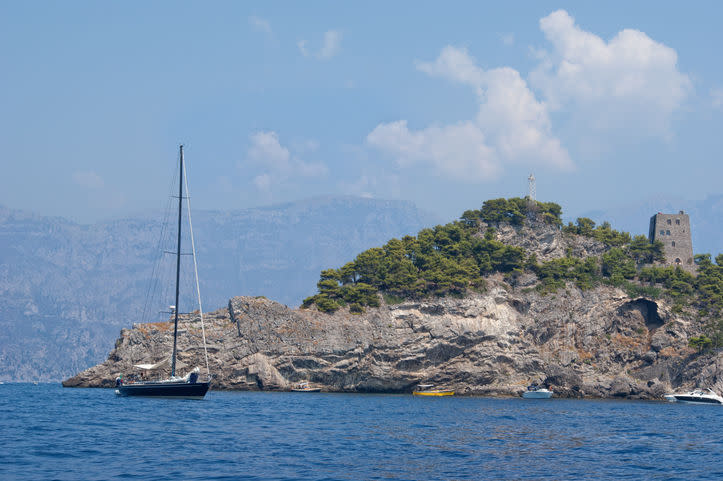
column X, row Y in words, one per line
column 455, row 150
column 330, row 48
column 630, row 82
column 261, row 25
column 511, row 126
column 508, row 38
column 278, row 163
column 88, row 180
column 266, row 150
column 332, row 44
column 361, row 187
column 307, row 145
column 454, row 64
column 310, row 169
column 517, row 122
column 302, row 48
column 263, row 182
column 628, row 86
column 372, row 185
column 716, row 97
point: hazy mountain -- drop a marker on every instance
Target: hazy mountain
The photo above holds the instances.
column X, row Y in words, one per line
column 66, row 289
column 706, row 219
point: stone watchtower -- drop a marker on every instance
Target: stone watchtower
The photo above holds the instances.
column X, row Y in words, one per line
column 673, row 230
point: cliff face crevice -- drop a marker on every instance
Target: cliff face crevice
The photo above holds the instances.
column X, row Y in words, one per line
column 597, row 343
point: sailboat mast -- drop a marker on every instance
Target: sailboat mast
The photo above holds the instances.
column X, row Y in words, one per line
column 178, row 261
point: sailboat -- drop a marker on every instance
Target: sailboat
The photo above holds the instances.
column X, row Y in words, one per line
column 189, row 386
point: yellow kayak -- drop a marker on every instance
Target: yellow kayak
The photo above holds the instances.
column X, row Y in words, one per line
column 427, row 390
column 434, row 393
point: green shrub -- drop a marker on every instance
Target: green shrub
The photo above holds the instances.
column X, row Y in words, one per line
column 392, row 299
column 325, row 304
column 701, row 343
column 637, row 290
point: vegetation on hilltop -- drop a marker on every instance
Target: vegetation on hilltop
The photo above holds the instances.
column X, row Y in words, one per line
column 513, row 211
column 603, row 233
column 456, row 257
column 444, row 260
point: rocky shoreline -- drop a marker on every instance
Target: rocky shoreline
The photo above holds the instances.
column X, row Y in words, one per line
column 596, row 343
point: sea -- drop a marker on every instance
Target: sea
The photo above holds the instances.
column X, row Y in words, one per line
column 51, row 432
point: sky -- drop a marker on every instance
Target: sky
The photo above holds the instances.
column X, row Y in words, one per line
column 445, row 104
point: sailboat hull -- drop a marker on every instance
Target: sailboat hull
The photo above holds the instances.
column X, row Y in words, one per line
column 178, row 390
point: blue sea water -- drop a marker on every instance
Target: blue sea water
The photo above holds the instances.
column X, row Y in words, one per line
column 48, row 432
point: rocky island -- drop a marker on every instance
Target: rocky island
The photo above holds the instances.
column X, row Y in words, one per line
column 584, row 333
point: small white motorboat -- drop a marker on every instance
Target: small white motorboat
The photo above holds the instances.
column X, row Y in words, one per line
column 697, row 396
column 537, row 392
column 303, row 386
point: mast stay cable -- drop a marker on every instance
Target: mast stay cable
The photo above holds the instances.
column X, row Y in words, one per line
column 195, row 271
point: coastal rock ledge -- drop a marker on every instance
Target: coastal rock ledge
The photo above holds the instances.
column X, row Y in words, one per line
column 594, row 343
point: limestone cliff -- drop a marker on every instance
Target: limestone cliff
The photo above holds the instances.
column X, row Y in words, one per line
column 595, row 343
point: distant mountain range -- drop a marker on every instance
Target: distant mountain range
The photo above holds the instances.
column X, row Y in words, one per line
column 706, row 219
column 67, row 289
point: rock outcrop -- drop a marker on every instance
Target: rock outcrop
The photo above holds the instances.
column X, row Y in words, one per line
column 546, row 241
column 595, row 343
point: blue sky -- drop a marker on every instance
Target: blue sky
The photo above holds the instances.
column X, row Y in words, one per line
column 444, row 104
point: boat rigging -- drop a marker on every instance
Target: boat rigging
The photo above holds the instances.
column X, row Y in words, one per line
column 174, row 386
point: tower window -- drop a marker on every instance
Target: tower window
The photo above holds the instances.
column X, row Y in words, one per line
column 662, row 232
column 669, row 221
column 667, row 232
column 673, row 243
column 677, row 221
